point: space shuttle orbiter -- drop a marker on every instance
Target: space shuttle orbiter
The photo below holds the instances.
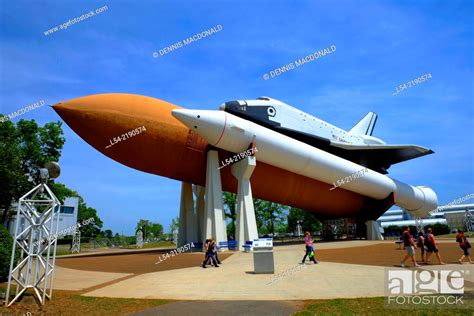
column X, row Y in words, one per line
column 357, row 145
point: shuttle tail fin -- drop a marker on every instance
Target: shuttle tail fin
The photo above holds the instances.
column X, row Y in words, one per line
column 365, row 126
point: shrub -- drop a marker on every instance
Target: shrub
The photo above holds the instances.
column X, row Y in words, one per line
column 439, row 229
column 6, row 244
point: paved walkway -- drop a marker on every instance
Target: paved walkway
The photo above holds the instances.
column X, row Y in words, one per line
column 234, row 280
column 75, row 280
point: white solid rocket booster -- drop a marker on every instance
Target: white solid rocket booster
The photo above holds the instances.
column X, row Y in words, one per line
column 234, row 134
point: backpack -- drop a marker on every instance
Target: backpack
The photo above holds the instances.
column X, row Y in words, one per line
column 419, row 244
column 467, row 244
column 428, row 242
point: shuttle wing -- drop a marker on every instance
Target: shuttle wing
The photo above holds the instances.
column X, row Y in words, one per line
column 374, row 156
column 383, row 155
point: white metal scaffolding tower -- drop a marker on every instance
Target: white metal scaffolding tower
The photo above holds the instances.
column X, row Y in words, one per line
column 35, row 239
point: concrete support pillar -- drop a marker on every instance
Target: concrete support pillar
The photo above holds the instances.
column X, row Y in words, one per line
column 199, row 192
column 187, row 216
column 246, row 223
column 214, row 218
column 373, row 231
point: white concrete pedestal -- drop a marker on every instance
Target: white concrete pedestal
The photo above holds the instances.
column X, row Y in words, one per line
column 188, row 219
column 214, row 217
column 246, row 223
column 373, row 231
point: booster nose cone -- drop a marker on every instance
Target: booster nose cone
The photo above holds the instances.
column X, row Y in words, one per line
column 137, row 131
column 188, row 117
column 208, row 124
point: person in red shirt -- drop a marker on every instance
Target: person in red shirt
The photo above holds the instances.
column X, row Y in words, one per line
column 409, row 245
column 432, row 246
column 465, row 246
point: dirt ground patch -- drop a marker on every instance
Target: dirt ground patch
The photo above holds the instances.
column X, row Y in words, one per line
column 384, row 254
column 135, row 263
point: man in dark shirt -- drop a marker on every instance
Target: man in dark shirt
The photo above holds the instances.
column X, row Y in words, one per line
column 409, row 245
column 432, row 246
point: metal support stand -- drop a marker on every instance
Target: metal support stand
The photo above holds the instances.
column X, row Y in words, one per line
column 299, row 228
column 175, row 237
column 76, row 242
column 36, row 238
column 139, row 239
column 420, row 228
column 468, row 220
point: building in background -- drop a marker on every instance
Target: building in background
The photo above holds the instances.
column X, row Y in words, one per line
column 67, row 216
column 454, row 216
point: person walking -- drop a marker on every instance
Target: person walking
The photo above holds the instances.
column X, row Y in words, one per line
column 206, row 249
column 309, row 249
column 465, row 246
column 215, row 251
column 432, row 246
column 421, row 245
column 210, row 246
column 409, row 245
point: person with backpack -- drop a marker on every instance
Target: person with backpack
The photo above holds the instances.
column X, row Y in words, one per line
column 465, row 246
column 421, row 245
column 309, row 249
column 432, row 246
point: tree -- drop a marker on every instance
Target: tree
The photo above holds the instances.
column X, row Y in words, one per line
column 6, row 245
column 25, row 148
column 13, row 181
column 156, row 229
column 270, row 215
column 309, row 221
column 230, row 200
column 84, row 213
column 61, row 191
column 174, row 224
column 108, row 234
column 149, row 228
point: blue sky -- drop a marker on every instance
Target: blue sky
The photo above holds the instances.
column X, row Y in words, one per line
column 380, row 44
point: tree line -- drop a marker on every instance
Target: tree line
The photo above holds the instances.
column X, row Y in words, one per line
column 26, row 147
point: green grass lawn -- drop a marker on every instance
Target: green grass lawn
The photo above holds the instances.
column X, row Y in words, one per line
column 159, row 244
column 61, row 251
column 88, row 245
column 375, row 306
column 70, row 303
